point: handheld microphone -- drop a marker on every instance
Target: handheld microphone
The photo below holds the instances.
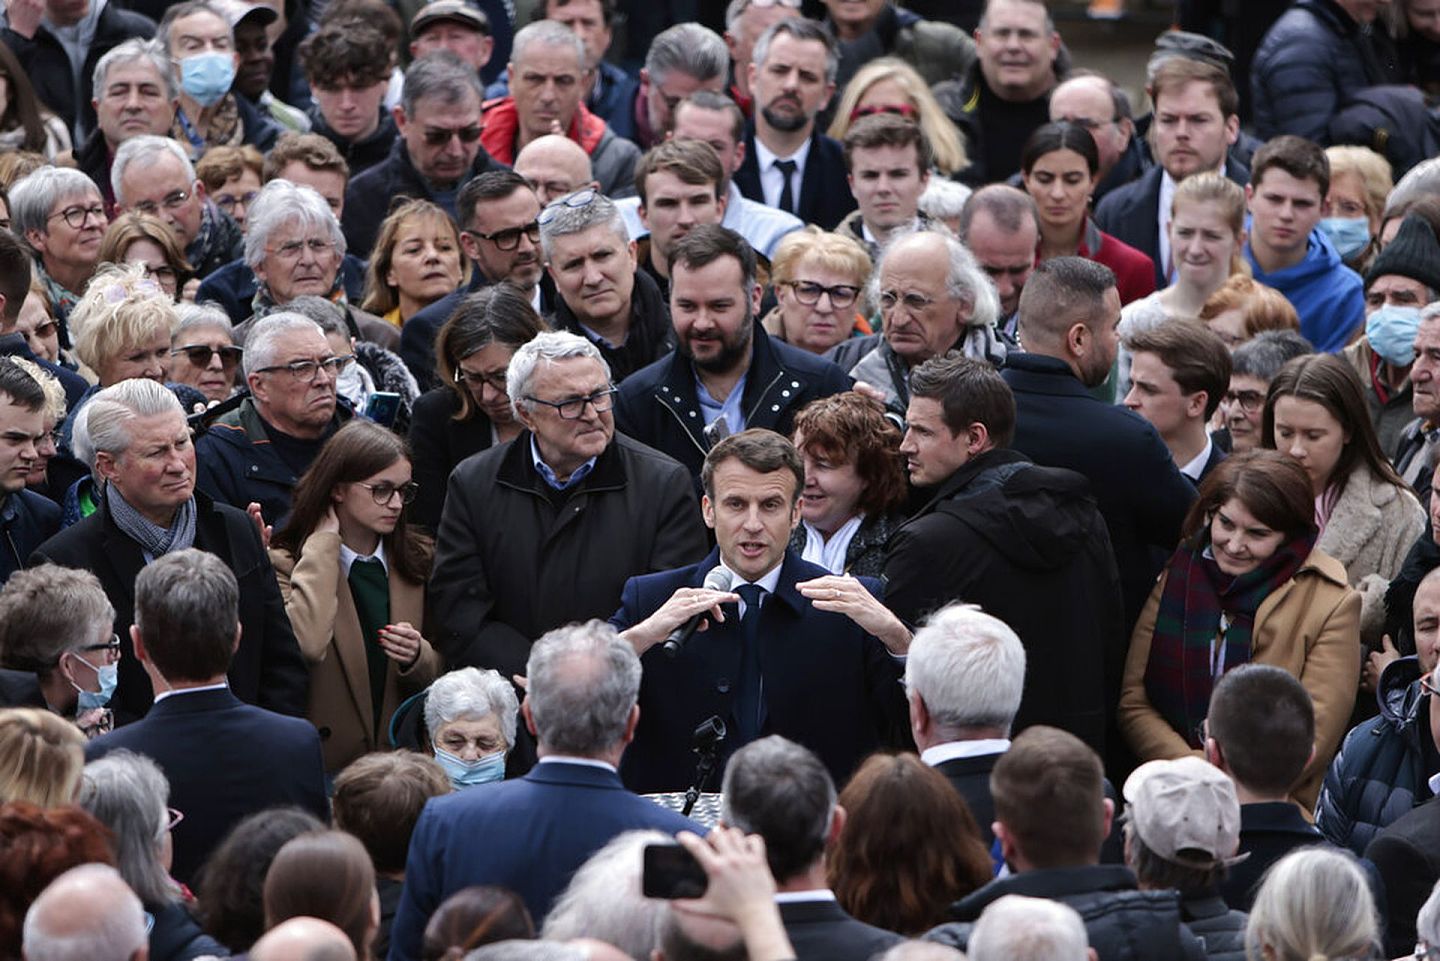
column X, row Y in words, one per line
column 718, row 579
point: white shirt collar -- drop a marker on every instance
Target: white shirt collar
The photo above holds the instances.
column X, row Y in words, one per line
column 803, row 897
column 582, row 761
column 767, row 583
column 950, row 750
column 765, row 158
column 223, row 685
column 349, row 557
column 1196, row 465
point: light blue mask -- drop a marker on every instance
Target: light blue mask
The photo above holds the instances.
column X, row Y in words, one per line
column 1391, row 333
column 1350, row 235
column 109, row 677
column 465, row 774
column 206, row 77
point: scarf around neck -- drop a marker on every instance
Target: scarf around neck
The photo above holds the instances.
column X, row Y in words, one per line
column 1179, row 675
column 154, row 540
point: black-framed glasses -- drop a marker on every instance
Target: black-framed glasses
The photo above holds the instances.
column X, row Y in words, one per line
column 201, row 354
column 110, row 647
column 440, row 136
column 476, row 380
column 228, row 202
column 305, row 370
column 384, row 493
column 76, row 216
column 509, row 238
column 1249, row 400
column 160, row 274
column 174, row 200
column 808, row 293
column 574, row 408
column 914, row 303
column 580, row 198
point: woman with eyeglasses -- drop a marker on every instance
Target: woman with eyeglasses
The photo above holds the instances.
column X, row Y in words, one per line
column 39, row 327
column 58, row 649
column 1060, row 166
column 353, row 574
column 470, row 411
column 1248, row 584
column 416, row 260
column 59, row 212
column 232, row 177
column 203, row 352
column 890, row 85
column 819, row 282
column 144, row 239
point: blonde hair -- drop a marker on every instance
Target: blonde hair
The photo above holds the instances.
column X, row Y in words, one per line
column 1314, row 905
column 829, row 251
column 1222, row 195
column 1376, row 177
column 121, row 308
column 41, row 757
column 380, row 297
column 54, row 408
column 944, row 138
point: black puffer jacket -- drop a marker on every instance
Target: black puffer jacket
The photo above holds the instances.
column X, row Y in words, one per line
column 1379, row 773
column 1209, row 918
column 1311, row 61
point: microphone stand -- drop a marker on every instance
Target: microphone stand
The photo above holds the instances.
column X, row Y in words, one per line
column 706, row 742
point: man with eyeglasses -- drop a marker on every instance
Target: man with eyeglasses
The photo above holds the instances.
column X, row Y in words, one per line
column 153, row 175
column 1095, row 102
column 438, row 149
column 554, row 166
column 933, row 299
column 679, row 61
column 256, row 452
column 726, row 374
column 545, row 529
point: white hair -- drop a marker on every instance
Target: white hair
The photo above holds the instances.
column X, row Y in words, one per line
column 103, row 424
column 279, row 204
column 144, row 148
column 135, row 50
column 604, row 899
column 260, row 342
column 34, row 196
column 548, row 33
column 1016, row 928
column 964, row 280
column 943, row 198
column 471, row 693
column 111, row 928
column 1313, row 903
column 548, row 347
column 967, row 667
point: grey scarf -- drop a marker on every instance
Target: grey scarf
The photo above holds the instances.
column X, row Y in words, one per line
column 155, row 540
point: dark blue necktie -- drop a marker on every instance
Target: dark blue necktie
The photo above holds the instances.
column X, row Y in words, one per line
column 787, row 170
column 748, row 695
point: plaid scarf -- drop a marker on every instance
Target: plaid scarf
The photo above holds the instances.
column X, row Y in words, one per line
column 1197, row 593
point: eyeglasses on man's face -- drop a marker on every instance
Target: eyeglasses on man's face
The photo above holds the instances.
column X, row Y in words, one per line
column 305, row 370
column 509, row 238
column 574, row 408
column 171, row 201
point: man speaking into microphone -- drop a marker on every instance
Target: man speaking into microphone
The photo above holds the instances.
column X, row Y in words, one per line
column 788, row 649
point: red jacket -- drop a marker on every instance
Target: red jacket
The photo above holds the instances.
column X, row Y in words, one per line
column 502, row 125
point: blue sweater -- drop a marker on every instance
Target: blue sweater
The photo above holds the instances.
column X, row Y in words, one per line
column 1328, row 296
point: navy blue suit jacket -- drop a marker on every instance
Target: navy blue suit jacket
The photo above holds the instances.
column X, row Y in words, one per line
column 528, row 835
column 827, row 684
column 225, row 760
column 825, row 196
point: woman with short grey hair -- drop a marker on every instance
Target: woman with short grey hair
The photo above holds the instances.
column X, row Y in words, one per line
column 127, row 793
column 59, row 212
column 470, row 716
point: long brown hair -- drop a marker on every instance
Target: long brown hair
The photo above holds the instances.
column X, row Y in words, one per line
column 1272, row 486
column 326, row 875
column 381, row 297
column 358, row 450
column 23, row 110
column 909, row 846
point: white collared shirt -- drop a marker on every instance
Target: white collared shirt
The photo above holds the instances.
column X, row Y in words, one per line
column 1196, row 466
column 349, row 557
column 222, row 686
column 804, row 897
column 772, row 182
column 937, row 754
column 767, row 583
column 582, row 761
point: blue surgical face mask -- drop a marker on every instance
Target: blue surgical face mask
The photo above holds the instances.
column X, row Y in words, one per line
column 109, row 677
column 1350, row 235
column 206, row 77
column 465, row 774
column 1391, row 333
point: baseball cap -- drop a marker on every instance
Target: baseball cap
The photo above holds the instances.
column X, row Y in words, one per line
column 1186, row 811
column 455, row 11
column 238, row 10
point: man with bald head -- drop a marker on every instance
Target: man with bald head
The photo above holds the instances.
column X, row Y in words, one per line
column 86, row 912
column 303, row 939
column 554, row 166
column 1093, row 101
column 1001, row 227
column 1069, row 311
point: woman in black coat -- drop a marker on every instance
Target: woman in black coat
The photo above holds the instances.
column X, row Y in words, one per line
column 470, row 411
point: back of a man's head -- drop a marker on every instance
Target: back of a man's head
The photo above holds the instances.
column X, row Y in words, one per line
column 968, row 669
column 781, row 791
column 584, row 681
column 1062, row 292
column 86, row 914
column 1262, row 721
column 303, row 939
column 1049, row 800
column 187, row 613
column 1016, row 928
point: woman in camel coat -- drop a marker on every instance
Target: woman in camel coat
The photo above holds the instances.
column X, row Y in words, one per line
column 1246, row 585
column 353, row 577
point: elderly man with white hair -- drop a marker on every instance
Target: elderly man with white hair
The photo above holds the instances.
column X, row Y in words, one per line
column 545, row 530
column 256, row 450
column 134, row 437
column 86, row 914
column 154, row 175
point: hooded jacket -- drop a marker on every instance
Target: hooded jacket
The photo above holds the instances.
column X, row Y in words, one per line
column 361, row 155
column 1028, row 545
column 1379, row 773
column 612, row 159
column 1328, row 296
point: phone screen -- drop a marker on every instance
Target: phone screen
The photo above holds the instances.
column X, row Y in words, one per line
column 672, row 872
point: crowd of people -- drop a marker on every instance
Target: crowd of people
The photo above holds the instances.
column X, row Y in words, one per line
column 804, row 480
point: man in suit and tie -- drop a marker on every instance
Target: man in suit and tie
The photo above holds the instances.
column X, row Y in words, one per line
column 807, row 655
column 1179, row 373
column 532, row 833
column 789, row 164
column 224, row 759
